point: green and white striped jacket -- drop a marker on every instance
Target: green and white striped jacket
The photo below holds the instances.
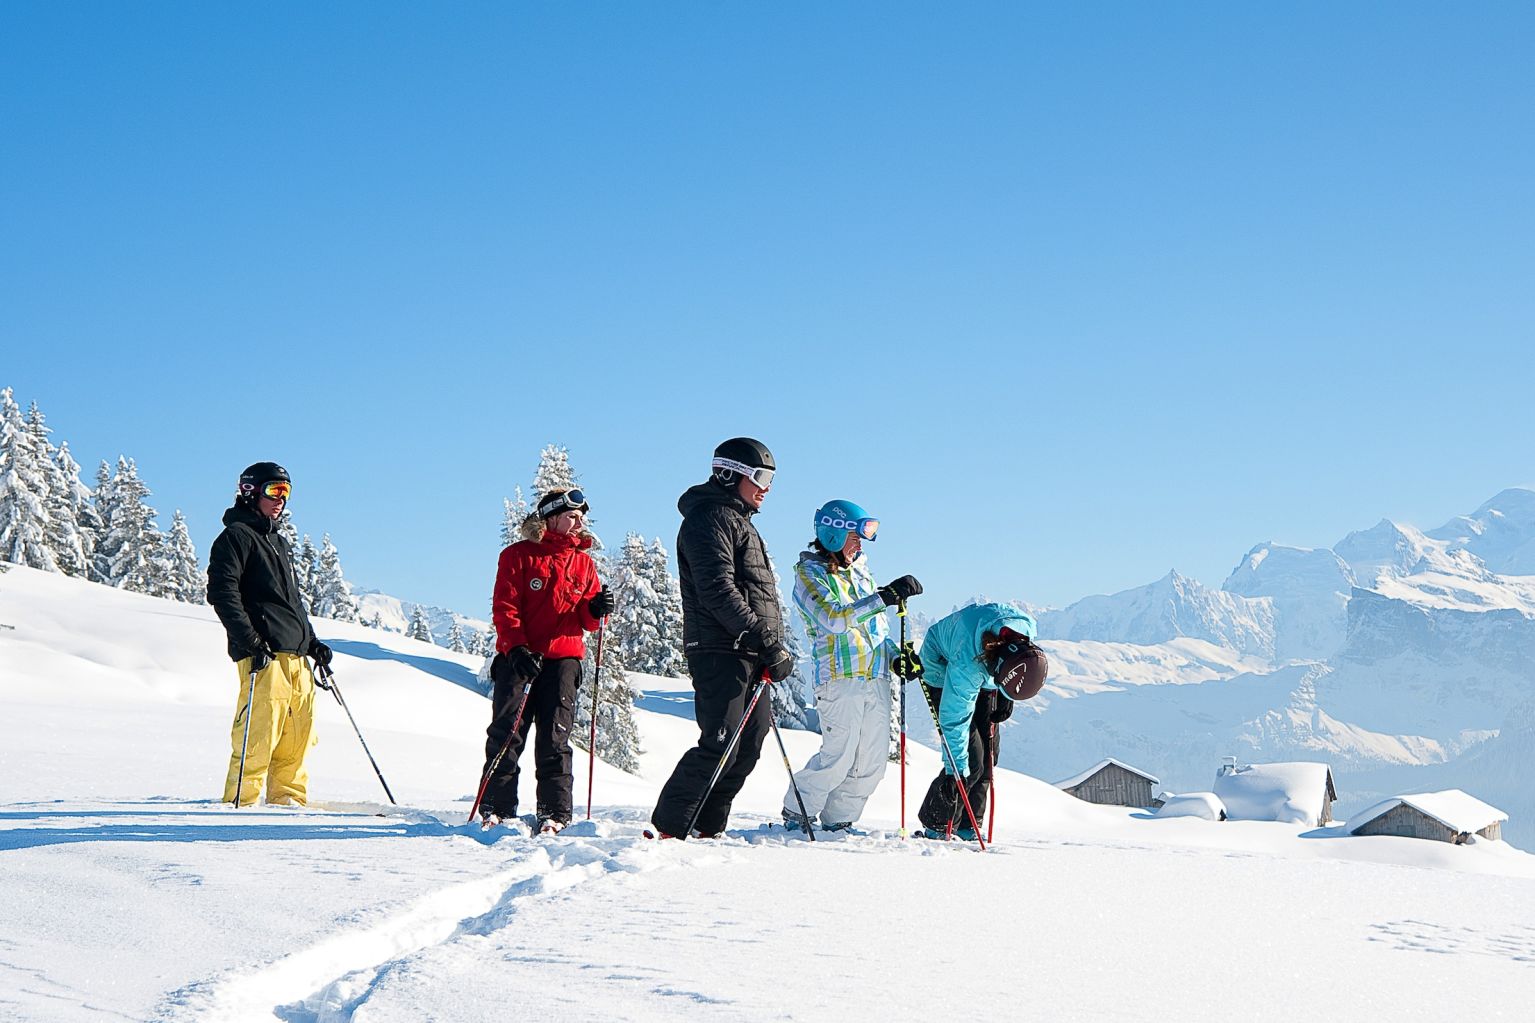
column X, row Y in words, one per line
column 844, row 619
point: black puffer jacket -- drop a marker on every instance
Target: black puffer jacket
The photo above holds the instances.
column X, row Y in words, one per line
column 729, row 596
column 252, row 587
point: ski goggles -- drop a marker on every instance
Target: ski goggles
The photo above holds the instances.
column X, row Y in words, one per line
column 570, row 500
column 277, row 490
column 864, row 529
column 760, row 477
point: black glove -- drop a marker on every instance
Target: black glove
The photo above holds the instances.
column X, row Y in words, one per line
column 901, row 589
column 320, row 653
column 907, row 664
column 602, row 604
column 525, row 664
column 777, row 663
column 1001, row 710
column 261, row 658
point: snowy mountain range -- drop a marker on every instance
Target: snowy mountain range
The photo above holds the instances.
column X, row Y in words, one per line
column 1394, row 655
column 394, row 614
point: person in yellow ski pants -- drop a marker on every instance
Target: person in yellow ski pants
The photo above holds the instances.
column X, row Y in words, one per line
column 281, row 732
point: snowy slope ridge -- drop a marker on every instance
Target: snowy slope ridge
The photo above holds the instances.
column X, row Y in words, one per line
column 126, row 892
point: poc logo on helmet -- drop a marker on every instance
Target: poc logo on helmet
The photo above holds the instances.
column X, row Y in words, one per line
column 839, row 523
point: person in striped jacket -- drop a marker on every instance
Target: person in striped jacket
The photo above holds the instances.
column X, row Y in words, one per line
column 852, row 652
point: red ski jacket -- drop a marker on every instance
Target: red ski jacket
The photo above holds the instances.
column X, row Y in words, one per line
column 542, row 590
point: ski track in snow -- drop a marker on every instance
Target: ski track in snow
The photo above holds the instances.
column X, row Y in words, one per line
column 329, row 981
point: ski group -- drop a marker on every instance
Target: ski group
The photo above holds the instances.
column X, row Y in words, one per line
column 973, row 665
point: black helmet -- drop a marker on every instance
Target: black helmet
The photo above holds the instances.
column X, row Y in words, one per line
column 1020, row 667
column 256, row 476
column 745, row 457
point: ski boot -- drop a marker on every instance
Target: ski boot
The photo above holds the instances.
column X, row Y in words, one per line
column 795, row 822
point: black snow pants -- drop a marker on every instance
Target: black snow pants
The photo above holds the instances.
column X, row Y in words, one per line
column 552, row 706
column 722, row 687
column 942, row 806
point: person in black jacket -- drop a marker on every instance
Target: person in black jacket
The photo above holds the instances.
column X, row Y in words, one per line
column 252, row 586
column 732, row 632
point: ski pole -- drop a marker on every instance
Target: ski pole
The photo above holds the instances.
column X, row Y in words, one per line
column 490, row 769
column 809, row 827
column 901, row 615
column 250, row 702
column 328, row 681
column 991, row 782
column 591, row 746
column 724, row 757
column 959, row 782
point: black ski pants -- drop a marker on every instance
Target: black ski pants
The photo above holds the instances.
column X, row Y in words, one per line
column 942, row 806
column 552, row 706
column 722, row 687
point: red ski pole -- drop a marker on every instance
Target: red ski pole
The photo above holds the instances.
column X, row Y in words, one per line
column 491, row 769
column 991, row 782
column 901, row 614
column 591, row 746
column 959, row 781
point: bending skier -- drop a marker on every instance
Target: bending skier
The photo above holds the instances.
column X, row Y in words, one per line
column 732, row 629
column 844, row 613
column 253, row 588
column 547, row 594
column 974, row 664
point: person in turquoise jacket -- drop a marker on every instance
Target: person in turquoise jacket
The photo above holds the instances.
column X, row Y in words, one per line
column 974, row 664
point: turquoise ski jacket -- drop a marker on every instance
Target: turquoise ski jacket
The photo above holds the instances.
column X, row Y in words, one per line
column 951, row 661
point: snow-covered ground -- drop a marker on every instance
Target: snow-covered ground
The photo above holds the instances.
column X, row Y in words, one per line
column 127, row 892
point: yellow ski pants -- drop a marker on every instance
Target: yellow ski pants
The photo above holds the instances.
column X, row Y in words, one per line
column 281, row 732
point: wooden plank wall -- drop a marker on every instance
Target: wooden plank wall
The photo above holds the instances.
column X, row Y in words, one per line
column 1114, row 786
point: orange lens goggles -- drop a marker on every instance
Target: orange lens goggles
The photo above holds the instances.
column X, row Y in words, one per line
column 277, row 490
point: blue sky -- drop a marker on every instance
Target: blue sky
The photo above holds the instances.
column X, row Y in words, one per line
column 1068, row 296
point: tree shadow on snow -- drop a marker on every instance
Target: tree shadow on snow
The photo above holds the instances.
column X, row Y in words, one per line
column 154, row 831
column 446, row 670
column 666, row 701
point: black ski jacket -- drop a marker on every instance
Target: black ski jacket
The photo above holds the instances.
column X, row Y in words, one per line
column 252, row 586
column 729, row 595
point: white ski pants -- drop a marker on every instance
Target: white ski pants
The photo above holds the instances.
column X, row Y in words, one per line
column 855, row 748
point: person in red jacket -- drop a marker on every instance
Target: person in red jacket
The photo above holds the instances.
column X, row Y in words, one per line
column 547, row 595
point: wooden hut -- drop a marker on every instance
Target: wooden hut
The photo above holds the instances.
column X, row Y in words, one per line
column 1111, row 782
column 1448, row 816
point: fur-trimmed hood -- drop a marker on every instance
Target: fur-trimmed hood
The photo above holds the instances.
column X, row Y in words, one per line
column 533, row 528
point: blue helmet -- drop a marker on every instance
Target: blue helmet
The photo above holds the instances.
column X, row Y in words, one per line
column 834, row 520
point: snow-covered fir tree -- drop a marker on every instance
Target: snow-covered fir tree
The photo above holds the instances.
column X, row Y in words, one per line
column 641, row 627
column 306, row 565
column 104, row 501
column 792, row 703
column 63, row 531
column 181, row 575
column 487, row 641
column 418, row 628
column 618, row 735
column 133, row 543
column 376, row 622
column 78, row 500
column 553, row 471
column 516, row 510
column 668, row 658
column 456, row 639
column 24, row 521
column 332, row 593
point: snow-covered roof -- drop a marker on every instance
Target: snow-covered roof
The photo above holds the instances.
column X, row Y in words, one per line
column 1293, row 792
column 1456, row 810
column 1078, row 779
column 1192, row 804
